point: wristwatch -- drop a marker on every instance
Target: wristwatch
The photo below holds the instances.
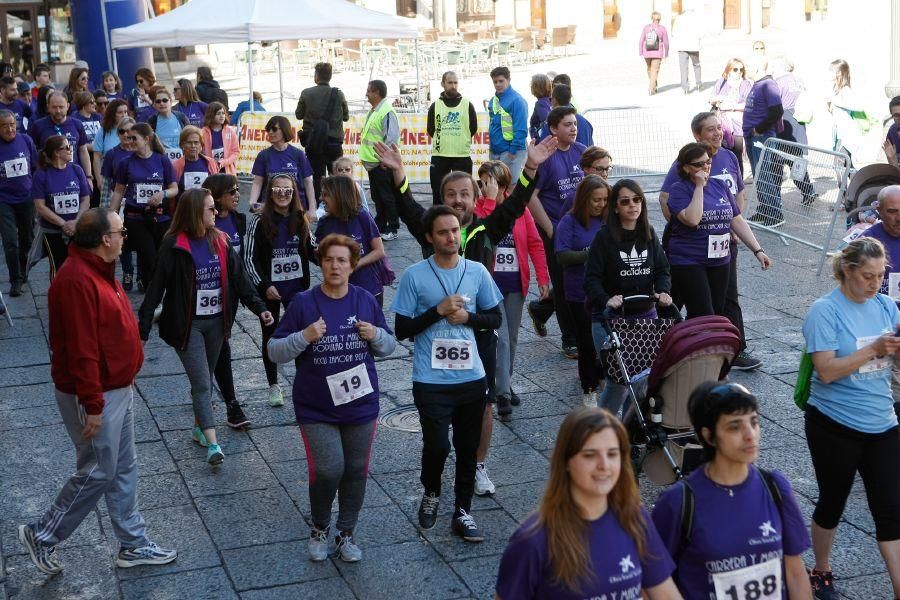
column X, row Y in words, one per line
column 757, row 251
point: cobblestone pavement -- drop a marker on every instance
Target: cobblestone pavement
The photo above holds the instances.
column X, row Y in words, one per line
column 241, row 532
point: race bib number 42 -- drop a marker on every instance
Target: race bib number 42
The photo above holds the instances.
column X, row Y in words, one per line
column 506, row 261
column 456, row 355
column 219, row 154
column 756, row 582
column 143, row 192
column 66, row 204
column 209, row 302
column 349, row 385
column 719, row 246
column 285, row 268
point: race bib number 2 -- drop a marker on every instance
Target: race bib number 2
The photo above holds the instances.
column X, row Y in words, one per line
column 456, row 355
column 756, row 582
column 194, row 179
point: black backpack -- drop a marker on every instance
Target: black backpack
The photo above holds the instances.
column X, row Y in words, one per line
column 315, row 139
column 651, row 41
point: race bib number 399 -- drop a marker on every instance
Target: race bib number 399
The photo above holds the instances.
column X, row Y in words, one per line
column 756, row 582
column 456, row 355
column 143, row 192
column 349, row 385
column 285, row 268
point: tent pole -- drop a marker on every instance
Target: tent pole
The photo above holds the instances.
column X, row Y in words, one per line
column 280, row 78
column 418, row 78
column 152, row 13
column 250, row 68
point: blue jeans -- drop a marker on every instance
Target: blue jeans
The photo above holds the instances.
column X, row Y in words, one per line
column 514, row 160
column 767, row 178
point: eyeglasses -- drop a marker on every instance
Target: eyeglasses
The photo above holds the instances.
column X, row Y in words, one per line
column 123, row 131
column 131, row 138
column 632, row 200
column 123, row 231
column 282, row 191
column 701, row 163
column 161, row 101
column 603, row 169
column 65, row 148
column 759, row 47
column 737, row 69
column 233, row 191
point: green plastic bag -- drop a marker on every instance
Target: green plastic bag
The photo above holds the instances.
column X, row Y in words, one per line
column 804, row 381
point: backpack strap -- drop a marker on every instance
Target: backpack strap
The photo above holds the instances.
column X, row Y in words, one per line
column 687, row 513
column 772, row 487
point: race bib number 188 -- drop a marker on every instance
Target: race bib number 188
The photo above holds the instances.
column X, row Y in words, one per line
column 756, row 582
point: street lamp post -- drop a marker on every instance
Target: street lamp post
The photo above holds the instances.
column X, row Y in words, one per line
column 893, row 86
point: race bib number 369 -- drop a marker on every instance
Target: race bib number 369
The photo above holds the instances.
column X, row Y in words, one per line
column 285, row 268
column 452, row 354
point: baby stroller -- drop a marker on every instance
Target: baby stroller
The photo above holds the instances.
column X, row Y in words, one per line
column 865, row 185
column 669, row 359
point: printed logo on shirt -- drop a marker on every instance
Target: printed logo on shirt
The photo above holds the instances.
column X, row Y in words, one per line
column 289, row 165
column 766, row 529
column 351, row 321
column 629, row 571
column 626, row 563
column 155, row 175
column 723, row 201
column 635, row 260
column 768, row 532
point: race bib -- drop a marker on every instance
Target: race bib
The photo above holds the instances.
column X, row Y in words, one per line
column 219, row 154
column 173, row 153
column 719, row 246
column 456, row 355
column 894, row 286
column 91, row 128
column 17, row 167
column 144, row 191
column 756, row 582
column 349, row 385
column 209, row 302
column 66, row 204
column 876, row 364
column 285, row 268
column 507, row 260
column 194, row 179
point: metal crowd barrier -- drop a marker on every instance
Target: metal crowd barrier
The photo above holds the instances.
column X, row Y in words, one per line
column 798, row 194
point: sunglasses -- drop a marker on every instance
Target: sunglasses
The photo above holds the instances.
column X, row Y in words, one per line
column 123, row 131
column 632, row 200
column 131, row 138
column 701, row 163
column 65, row 148
column 282, row 191
column 233, row 191
column 737, row 69
column 161, row 101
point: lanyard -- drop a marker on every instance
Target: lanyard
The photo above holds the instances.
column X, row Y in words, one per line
column 459, row 283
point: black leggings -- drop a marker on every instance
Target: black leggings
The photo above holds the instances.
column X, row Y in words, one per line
column 701, row 289
column 838, row 452
column 57, row 250
column 587, row 356
column 274, row 307
column 144, row 237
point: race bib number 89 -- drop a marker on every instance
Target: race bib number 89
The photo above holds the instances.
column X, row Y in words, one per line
column 285, row 268
column 452, row 354
column 756, row 582
column 506, row 261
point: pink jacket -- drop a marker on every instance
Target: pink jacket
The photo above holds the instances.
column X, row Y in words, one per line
column 663, row 50
column 232, row 147
column 528, row 243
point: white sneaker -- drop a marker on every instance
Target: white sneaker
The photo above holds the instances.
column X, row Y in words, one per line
column 276, row 398
column 589, row 399
column 318, row 544
column 483, row 484
column 346, row 549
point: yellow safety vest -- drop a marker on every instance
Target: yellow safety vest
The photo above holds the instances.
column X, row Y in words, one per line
column 452, row 136
column 373, row 132
column 506, row 123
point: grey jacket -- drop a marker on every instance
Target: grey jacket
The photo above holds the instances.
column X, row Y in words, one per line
column 313, row 103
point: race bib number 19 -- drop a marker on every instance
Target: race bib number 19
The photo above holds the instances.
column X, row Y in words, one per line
column 456, row 355
column 756, row 582
column 349, row 385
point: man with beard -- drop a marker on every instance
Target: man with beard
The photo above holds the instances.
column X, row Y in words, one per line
column 452, row 122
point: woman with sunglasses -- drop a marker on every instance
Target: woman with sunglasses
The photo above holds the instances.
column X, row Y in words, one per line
column 596, row 161
column 111, row 85
column 146, row 181
column 199, row 282
column 188, row 103
column 590, row 537
column 139, row 98
column 728, row 96
column 61, row 194
column 733, row 529
column 346, row 217
column 625, row 259
column 283, row 158
column 167, row 123
column 574, row 234
column 220, row 140
column 277, row 259
column 704, row 216
column 192, row 169
column 78, row 82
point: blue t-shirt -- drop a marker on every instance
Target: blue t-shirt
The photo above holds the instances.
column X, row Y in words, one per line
column 507, row 273
column 708, row 244
column 92, row 125
column 362, row 228
column 168, row 130
column 194, row 111
column 42, row 129
column 229, row 227
column 208, row 279
column 619, row 570
column 22, row 112
column 724, row 167
column 291, row 161
column 572, row 235
column 764, row 94
column 558, row 177
column 861, row 401
column 144, row 177
column 104, row 142
column 757, row 533
column 18, row 161
column 336, row 380
column 445, row 353
column 62, row 191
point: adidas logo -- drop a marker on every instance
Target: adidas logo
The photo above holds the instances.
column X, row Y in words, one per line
column 635, row 259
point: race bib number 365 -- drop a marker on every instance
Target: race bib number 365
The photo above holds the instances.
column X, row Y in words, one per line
column 452, row 354
column 756, row 582
column 285, row 268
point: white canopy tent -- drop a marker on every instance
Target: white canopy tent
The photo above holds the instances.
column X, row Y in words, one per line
column 249, row 21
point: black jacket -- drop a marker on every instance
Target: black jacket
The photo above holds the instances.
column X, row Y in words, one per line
column 209, row 91
column 313, row 103
column 258, row 255
column 630, row 267
column 174, row 284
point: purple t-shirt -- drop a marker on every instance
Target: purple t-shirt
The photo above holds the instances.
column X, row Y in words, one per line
column 194, row 174
column 708, row 244
column 724, row 167
column 143, row 177
column 21, row 110
column 893, row 136
column 287, row 262
column 45, row 128
column 336, row 380
column 506, row 266
column 18, row 160
column 572, row 235
column 194, row 111
column 291, row 160
column 558, row 177
column 764, row 94
column 208, row 277
column 61, row 190
column 228, row 226
column 112, row 159
column 218, row 146
column 761, row 533
column 363, row 230
column 92, row 124
column 892, row 246
column 619, row 570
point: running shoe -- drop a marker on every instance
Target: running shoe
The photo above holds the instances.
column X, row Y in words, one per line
column 464, row 526
column 236, row 418
column 151, row 554
column 504, row 408
column 483, row 484
column 514, row 398
column 198, row 437
column 345, row 549
column 428, row 510
column 540, row 327
column 42, row 555
column 214, row 455
column 390, row 236
column 15, row 290
column 128, row 282
column 318, row 544
column 570, row 352
column 276, row 398
column 822, row 583
column 745, row 362
column 589, row 399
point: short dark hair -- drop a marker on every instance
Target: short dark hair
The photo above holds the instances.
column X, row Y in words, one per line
column 281, row 123
column 558, row 114
column 379, row 86
column 712, row 399
column 433, row 213
column 41, row 68
column 563, row 79
column 204, row 73
column 895, row 101
column 4, row 81
column 323, row 72
column 500, row 72
column 91, row 227
column 562, row 94
column 699, row 118
column 687, row 154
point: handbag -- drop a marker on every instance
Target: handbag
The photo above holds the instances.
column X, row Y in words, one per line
column 804, row 381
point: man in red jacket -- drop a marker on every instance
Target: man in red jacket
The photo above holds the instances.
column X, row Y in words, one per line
column 96, row 353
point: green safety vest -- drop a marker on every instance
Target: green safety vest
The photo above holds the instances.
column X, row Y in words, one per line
column 452, row 136
column 506, row 124
column 373, row 132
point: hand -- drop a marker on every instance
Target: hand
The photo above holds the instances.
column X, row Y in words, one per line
column 367, row 331
column 544, row 291
column 315, row 331
column 764, row 261
column 92, row 425
column 663, row 299
column 460, row 317
column 538, row 153
column 450, row 305
column 389, row 156
column 68, row 228
column 156, row 199
column 256, row 207
column 266, row 318
column 272, row 293
column 886, row 344
column 890, row 152
column 700, row 178
column 615, row 302
column 490, row 188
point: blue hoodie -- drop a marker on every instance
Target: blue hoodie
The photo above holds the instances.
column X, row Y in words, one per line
column 513, row 103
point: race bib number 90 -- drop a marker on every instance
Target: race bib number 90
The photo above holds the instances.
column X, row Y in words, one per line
column 143, row 192
column 719, row 246
column 507, row 261
column 285, row 268
column 756, row 582
column 456, row 355
column 66, row 204
column 209, row 302
column 349, row 385
column 174, row 153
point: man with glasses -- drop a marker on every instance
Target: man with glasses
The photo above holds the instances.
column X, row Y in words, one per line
column 18, row 160
column 96, row 353
column 596, row 161
column 59, row 123
column 9, row 100
column 892, row 142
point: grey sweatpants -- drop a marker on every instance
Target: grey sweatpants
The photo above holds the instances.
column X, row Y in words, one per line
column 508, row 339
column 199, row 360
column 338, row 460
column 106, row 466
